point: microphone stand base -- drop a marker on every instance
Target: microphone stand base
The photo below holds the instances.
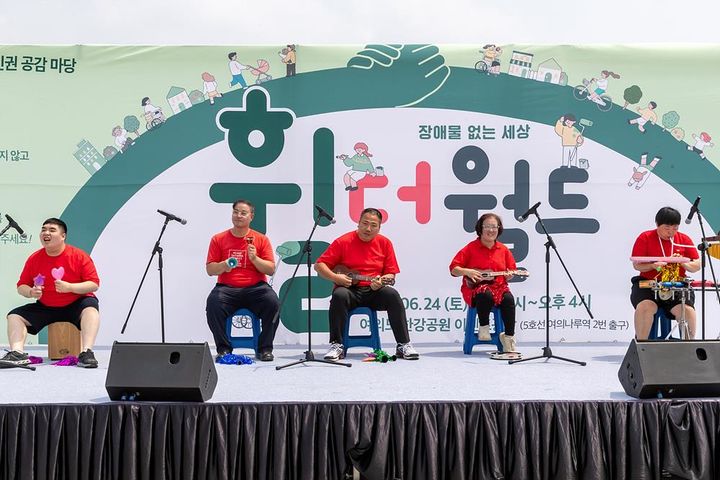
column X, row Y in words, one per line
column 310, row 357
column 547, row 353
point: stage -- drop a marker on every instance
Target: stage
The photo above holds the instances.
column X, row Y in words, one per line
column 443, row 373
column 446, row 416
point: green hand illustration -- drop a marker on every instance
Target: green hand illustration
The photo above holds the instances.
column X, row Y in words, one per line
column 410, row 73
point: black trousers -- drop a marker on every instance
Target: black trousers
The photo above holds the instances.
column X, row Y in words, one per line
column 224, row 300
column 386, row 299
column 483, row 303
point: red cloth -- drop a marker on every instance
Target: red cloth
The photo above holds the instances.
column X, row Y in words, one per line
column 78, row 266
column 479, row 257
column 373, row 258
column 647, row 244
column 225, row 245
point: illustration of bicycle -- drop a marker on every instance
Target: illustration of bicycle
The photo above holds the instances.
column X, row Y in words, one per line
column 582, row 92
column 482, row 66
column 490, row 63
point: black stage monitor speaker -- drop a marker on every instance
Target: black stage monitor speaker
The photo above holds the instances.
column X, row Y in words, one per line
column 672, row 369
column 169, row 372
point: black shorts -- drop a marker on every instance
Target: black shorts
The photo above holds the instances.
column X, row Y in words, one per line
column 638, row 294
column 40, row 316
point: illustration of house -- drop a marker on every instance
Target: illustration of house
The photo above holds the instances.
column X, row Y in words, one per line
column 549, row 71
column 89, row 157
column 178, row 99
column 520, row 64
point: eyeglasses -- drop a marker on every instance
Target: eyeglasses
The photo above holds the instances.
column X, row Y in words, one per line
column 490, row 227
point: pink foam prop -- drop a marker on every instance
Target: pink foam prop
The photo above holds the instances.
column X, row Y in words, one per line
column 34, row 360
column 68, row 361
column 58, row 273
column 660, row 259
column 39, row 280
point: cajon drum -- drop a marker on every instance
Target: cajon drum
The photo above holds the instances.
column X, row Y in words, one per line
column 63, row 340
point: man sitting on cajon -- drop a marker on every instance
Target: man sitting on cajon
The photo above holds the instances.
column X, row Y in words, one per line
column 62, row 279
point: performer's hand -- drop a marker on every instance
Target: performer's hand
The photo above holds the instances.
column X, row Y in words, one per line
column 63, row 287
column 36, row 291
column 376, row 283
column 474, row 275
column 252, row 252
column 342, row 280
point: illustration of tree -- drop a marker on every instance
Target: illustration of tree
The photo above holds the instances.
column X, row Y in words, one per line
column 678, row 133
column 109, row 152
column 632, row 95
column 132, row 124
column 670, row 120
column 196, row 96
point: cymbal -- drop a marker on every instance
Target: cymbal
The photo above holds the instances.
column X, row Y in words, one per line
column 714, row 238
column 660, row 259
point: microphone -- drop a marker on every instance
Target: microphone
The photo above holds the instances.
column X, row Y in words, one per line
column 525, row 215
column 325, row 214
column 693, row 210
column 13, row 224
column 170, row 216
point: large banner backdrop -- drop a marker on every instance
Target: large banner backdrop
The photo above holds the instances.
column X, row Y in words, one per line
column 602, row 137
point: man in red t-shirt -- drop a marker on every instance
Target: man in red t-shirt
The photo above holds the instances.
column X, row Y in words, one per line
column 62, row 279
column 369, row 254
column 241, row 258
column 663, row 241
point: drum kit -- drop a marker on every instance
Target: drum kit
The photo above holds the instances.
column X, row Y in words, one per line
column 670, row 288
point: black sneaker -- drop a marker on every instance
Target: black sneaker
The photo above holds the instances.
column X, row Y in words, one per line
column 15, row 358
column 221, row 353
column 86, row 359
column 266, row 356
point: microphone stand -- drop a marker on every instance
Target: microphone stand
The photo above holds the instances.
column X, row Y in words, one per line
column 309, row 355
column 546, row 351
column 156, row 249
column 9, row 226
column 703, row 247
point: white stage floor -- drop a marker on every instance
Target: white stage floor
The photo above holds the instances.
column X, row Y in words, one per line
column 443, row 373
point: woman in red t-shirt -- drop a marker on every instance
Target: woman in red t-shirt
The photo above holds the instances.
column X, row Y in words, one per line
column 485, row 255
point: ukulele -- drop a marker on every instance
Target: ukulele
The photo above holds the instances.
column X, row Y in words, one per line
column 357, row 277
column 487, row 276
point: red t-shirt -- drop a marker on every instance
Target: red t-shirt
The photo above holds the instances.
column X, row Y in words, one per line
column 78, row 267
column 648, row 244
column 225, row 245
column 373, row 258
column 479, row 257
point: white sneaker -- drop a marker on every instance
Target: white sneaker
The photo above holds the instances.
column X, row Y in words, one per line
column 336, row 352
column 406, row 351
column 484, row 332
column 508, row 343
